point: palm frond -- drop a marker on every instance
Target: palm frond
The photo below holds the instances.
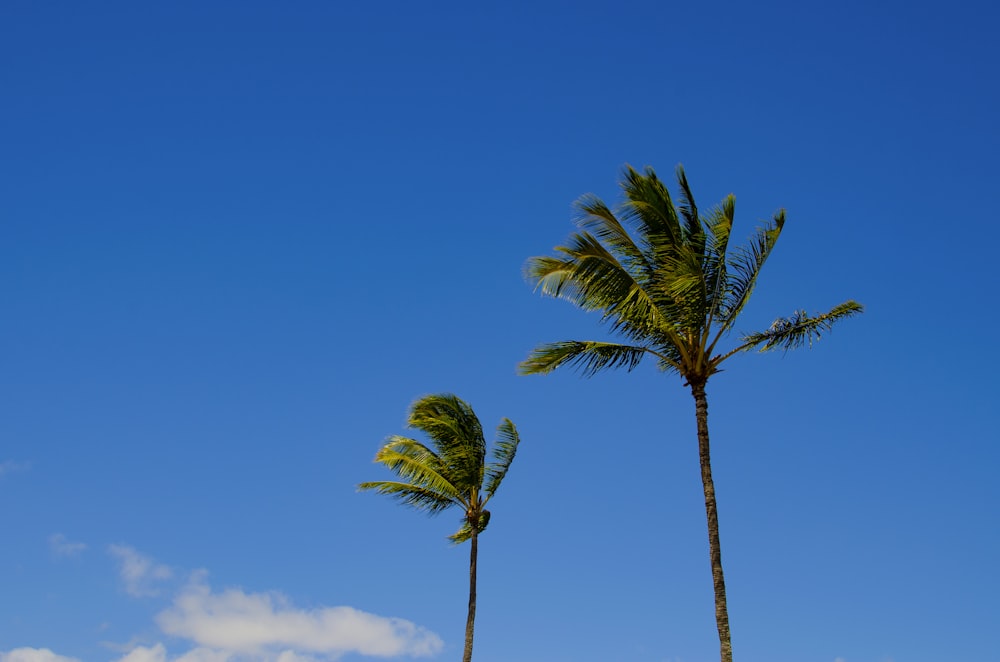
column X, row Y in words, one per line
column 504, row 450
column 590, row 276
column 412, row 495
column 799, row 329
column 445, row 418
column 720, row 225
column 649, row 208
column 744, row 267
column 419, row 466
column 594, row 280
column 598, row 219
column 682, row 276
column 590, row 357
column 693, row 233
column 465, row 531
column 676, row 279
column 669, row 358
column 457, row 434
column 411, row 448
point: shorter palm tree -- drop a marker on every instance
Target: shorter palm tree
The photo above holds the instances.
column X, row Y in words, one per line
column 454, row 473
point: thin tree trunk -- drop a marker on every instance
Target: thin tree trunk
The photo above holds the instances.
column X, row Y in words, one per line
column 715, row 549
column 470, row 622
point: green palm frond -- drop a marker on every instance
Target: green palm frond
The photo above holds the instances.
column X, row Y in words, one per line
column 650, row 210
column 597, row 275
column 552, row 276
column 597, row 219
column 590, row 357
column 593, row 279
column 419, row 466
column 457, row 433
column 415, row 473
column 683, row 278
column 744, row 268
column 410, row 448
column 448, row 420
column 719, row 225
column 694, row 235
column 465, row 531
column 588, row 275
column 504, row 449
column 412, row 495
column 799, row 329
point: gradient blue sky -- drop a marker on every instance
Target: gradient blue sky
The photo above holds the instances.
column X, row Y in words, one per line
column 238, row 239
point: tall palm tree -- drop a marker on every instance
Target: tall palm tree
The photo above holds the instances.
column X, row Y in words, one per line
column 664, row 278
column 452, row 472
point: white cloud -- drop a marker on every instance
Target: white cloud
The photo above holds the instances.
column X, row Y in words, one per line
column 60, row 546
column 236, row 626
column 33, row 655
column 156, row 653
column 138, row 572
column 267, row 625
column 291, row 656
column 9, row 467
column 204, row 655
column 839, row 659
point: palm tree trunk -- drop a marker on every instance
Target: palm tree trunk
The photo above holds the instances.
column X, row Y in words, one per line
column 470, row 621
column 715, row 549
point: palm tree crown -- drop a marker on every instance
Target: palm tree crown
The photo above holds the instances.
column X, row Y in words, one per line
column 455, row 472
column 663, row 277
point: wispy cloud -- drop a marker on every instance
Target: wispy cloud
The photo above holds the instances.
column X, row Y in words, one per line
column 60, row 546
column 10, row 466
column 139, row 573
column 267, row 625
column 34, row 655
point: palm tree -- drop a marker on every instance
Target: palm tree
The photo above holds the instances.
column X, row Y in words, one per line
column 664, row 279
column 454, row 473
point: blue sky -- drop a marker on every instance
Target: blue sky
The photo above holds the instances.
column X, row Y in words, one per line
column 237, row 240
